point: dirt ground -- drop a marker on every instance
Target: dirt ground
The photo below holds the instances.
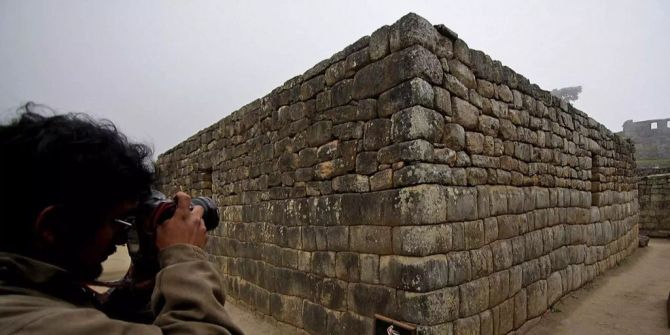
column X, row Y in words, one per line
column 630, row 299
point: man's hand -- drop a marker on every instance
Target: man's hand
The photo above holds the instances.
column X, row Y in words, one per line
column 186, row 226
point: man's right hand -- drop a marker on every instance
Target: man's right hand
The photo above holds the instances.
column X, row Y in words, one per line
column 186, row 226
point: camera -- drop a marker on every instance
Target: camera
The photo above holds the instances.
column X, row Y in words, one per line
column 151, row 212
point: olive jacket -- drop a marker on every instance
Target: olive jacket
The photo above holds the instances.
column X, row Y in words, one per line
column 40, row 298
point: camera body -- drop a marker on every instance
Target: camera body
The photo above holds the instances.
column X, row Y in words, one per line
column 152, row 212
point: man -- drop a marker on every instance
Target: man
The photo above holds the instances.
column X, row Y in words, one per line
column 65, row 180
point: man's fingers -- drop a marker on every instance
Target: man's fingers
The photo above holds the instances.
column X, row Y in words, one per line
column 183, row 201
column 198, row 211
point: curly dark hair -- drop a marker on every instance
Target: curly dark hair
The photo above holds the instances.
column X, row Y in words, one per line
column 66, row 160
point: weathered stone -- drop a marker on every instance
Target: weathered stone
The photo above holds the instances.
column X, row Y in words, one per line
column 408, row 63
column 554, row 288
column 454, row 136
column 371, row 239
column 465, row 114
column 347, row 266
column 429, row 308
column 463, row 73
column 351, row 183
column 442, row 101
column 416, row 92
column 410, row 30
column 422, row 173
column 502, row 255
column 368, row 300
column 319, row 133
column 311, row 87
column 415, row 274
column 416, row 150
column 422, row 240
column 474, row 143
column 349, row 130
column 537, row 298
column 474, row 297
column 381, row 180
column 461, row 203
column 467, row 326
column 379, row 43
column 377, row 134
column 422, row 204
column 460, row 268
column 366, row 162
column 417, row 123
column 482, row 262
column 455, row 86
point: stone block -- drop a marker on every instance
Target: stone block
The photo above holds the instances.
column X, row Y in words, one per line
column 554, row 288
column 414, row 274
column 310, row 88
column 349, row 130
column 366, row 162
column 371, row 239
column 369, row 300
column 482, row 262
column 417, row 122
column 473, row 234
column 502, row 255
column 465, row 113
column 454, row 136
column 422, row 204
column 379, row 43
column 347, row 266
column 422, row 173
column 467, row 326
column 287, row 309
column 314, row 317
column 442, row 102
column 453, row 85
column 463, row 73
column 381, row 180
column 411, row 30
column 460, row 268
column 499, row 289
column 323, row 263
column 508, row 226
column 537, row 298
column 332, row 293
column 351, row 183
column 415, row 92
column 503, row 317
column 390, row 71
column 520, row 308
column 416, row 150
column 319, row 133
column 474, row 143
column 474, row 297
column 377, row 134
column 461, row 203
column 369, row 269
column 429, row 308
column 422, row 240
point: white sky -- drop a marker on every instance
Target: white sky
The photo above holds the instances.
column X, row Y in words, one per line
column 162, row 70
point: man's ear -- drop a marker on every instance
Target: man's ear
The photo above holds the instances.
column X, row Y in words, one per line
column 46, row 225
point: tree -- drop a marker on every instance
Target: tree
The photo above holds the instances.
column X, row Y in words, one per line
column 567, row 93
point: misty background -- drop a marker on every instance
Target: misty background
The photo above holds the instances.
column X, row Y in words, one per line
column 162, row 70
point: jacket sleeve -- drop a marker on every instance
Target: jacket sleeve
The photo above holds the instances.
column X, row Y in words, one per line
column 188, row 299
column 189, row 295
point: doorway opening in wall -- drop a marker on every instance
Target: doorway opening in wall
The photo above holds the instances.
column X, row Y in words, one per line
column 654, row 125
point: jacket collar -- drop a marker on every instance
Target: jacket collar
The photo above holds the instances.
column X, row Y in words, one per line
column 23, row 275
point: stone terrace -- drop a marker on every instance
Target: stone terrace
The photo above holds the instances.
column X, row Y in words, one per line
column 412, row 177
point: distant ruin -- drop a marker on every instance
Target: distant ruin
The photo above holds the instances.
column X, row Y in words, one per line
column 413, row 177
column 652, row 141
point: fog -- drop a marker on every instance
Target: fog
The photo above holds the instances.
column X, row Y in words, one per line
column 162, row 70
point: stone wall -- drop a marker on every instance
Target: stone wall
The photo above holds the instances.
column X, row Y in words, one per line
column 654, row 193
column 651, row 137
column 412, row 177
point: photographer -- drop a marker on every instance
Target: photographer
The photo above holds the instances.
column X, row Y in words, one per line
column 65, row 181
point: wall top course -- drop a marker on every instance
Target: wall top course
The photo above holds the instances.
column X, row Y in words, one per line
column 409, row 30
